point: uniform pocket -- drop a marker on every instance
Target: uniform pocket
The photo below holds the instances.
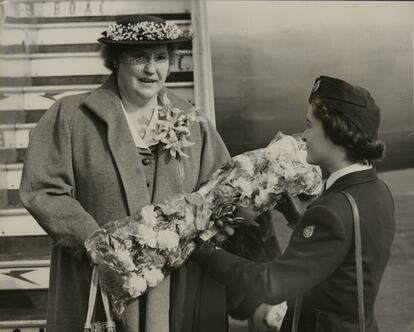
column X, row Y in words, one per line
column 326, row 322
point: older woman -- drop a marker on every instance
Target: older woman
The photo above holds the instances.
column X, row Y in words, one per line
column 103, row 155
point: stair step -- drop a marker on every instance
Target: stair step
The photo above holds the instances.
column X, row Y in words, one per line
column 24, row 307
column 22, row 245
column 24, row 261
column 34, row 99
column 18, row 222
column 71, row 87
column 34, row 299
column 40, row 81
column 12, row 155
column 23, row 326
column 24, row 278
column 71, row 64
column 10, row 199
column 15, row 135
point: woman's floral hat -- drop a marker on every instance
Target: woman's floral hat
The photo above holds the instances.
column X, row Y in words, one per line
column 144, row 29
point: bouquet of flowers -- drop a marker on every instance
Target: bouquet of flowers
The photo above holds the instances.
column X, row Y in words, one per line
column 136, row 253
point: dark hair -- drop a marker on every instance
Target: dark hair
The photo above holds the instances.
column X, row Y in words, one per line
column 111, row 54
column 341, row 131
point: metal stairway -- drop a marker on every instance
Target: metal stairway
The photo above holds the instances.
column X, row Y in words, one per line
column 48, row 50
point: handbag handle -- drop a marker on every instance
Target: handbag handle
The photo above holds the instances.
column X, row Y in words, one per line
column 359, row 271
column 110, row 324
column 92, row 300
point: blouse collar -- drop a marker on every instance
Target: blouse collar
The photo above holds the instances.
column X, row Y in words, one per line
column 356, row 167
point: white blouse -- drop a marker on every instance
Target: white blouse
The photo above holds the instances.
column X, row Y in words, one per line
column 143, row 135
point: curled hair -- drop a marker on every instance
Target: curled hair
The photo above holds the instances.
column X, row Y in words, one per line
column 112, row 53
column 342, row 132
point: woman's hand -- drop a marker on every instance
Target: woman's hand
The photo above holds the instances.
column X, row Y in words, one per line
column 290, row 207
column 239, row 212
column 92, row 256
column 246, row 213
column 204, row 249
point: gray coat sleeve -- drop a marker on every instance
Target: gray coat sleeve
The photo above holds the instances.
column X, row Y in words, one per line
column 47, row 188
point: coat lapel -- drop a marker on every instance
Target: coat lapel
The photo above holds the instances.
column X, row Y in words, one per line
column 105, row 103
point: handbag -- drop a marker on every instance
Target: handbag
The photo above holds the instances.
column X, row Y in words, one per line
column 359, row 271
column 89, row 326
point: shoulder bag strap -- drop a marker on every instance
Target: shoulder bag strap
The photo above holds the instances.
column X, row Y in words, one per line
column 358, row 260
column 296, row 313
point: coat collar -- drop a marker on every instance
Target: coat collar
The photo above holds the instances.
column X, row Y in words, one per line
column 105, row 103
column 351, row 179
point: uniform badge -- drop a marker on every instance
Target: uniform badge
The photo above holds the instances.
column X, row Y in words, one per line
column 308, row 231
column 316, row 86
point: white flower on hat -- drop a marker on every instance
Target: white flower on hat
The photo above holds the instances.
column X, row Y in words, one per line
column 145, row 30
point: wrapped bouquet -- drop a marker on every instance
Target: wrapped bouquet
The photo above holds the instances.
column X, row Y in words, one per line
column 136, row 253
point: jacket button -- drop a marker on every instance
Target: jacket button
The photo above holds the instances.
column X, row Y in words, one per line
column 146, row 161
